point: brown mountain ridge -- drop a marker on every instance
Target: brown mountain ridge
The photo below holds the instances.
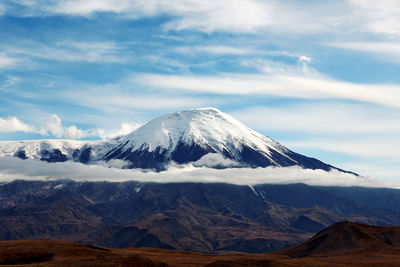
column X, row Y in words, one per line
column 348, row 238
column 342, row 244
column 206, row 218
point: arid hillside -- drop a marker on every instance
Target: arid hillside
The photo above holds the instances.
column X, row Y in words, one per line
column 344, row 243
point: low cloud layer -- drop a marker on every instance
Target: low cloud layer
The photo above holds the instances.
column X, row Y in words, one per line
column 14, row 168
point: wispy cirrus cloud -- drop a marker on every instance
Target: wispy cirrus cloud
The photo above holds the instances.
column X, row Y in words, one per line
column 323, row 118
column 239, row 16
column 238, row 50
column 216, row 50
column 2, row 10
column 378, row 157
column 355, row 133
column 366, row 148
column 120, row 98
column 277, row 85
column 71, row 51
column 375, row 47
column 203, row 15
column 7, row 61
column 376, row 170
column 382, row 18
column 389, row 51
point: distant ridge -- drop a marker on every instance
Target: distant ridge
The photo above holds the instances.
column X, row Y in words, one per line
column 346, row 238
column 203, row 217
column 342, row 244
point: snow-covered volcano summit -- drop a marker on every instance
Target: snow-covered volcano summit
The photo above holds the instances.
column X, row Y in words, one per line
column 204, row 129
column 199, row 134
column 204, row 136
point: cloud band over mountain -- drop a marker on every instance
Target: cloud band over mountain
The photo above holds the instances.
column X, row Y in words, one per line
column 14, row 168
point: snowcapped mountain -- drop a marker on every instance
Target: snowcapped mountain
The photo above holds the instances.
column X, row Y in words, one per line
column 53, row 150
column 203, row 137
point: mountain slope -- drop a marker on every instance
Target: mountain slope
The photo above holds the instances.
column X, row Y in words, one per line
column 203, row 137
column 62, row 253
column 188, row 136
column 188, row 216
column 342, row 244
column 347, row 238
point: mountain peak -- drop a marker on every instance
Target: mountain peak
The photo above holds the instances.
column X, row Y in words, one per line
column 207, row 127
column 203, row 137
column 187, row 136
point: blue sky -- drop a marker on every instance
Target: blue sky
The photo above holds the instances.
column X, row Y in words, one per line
column 321, row 77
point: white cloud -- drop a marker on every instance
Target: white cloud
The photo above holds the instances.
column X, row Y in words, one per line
column 113, row 163
column 322, row 118
column 7, row 61
column 216, row 49
column 10, row 81
column 277, row 68
column 78, row 7
column 279, row 85
column 388, row 48
column 54, row 127
column 365, row 132
column 371, row 149
column 389, row 173
column 304, row 59
column 116, row 99
column 13, row 124
column 2, row 10
column 379, row 18
column 93, row 52
column 74, row 132
column 388, row 51
column 13, row 168
column 215, row 160
column 148, row 102
column 125, row 129
column 210, row 15
column 241, row 15
column 203, row 15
